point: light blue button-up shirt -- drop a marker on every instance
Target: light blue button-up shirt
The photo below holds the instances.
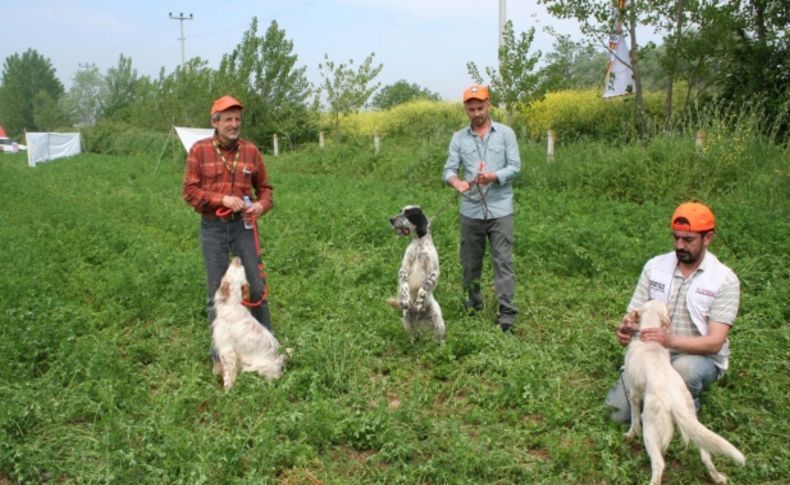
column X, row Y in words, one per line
column 499, row 151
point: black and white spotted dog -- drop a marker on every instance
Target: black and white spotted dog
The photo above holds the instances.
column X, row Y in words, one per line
column 418, row 275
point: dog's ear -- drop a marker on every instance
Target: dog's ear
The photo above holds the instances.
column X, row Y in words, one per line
column 224, row 290
column 416, row 216
column 666, row 325
column 245, row 291
column 634, row 317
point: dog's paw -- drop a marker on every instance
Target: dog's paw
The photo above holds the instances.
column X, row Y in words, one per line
column 630, row 434
column 394, row 303
column 718, row 477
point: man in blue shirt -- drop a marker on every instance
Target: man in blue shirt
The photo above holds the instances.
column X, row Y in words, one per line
column 487, row 154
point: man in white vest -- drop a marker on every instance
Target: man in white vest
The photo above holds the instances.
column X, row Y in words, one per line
column 702, row 295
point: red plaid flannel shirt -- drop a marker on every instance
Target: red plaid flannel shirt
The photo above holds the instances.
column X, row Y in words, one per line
column 206, row 180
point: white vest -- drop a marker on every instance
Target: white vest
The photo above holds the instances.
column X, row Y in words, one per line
column 701, row 293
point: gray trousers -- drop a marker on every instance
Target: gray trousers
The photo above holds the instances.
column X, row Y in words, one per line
column 218, row 240
column 499, row 233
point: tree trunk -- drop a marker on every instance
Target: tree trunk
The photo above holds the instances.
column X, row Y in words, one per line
column 673, row 64
column 639, row 114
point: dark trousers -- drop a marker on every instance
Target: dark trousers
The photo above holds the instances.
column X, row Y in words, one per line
column 499, row 233
column 218, row 240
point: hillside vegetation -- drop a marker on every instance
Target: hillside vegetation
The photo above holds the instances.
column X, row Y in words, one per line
column 104, row 367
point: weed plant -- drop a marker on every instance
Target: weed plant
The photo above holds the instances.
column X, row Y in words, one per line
column 104, row 369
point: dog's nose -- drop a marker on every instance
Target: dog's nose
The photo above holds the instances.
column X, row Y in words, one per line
column 392, row 220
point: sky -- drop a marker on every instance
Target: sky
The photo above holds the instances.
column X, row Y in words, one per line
column 427, row 42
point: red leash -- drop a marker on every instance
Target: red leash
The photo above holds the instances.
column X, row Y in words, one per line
column 261, row 269
column 225, row 212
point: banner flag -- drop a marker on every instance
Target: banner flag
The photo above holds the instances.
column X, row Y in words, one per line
column 619, row 75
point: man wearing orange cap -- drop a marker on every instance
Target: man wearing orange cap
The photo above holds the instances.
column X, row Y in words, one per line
column 220, row 172
column 482, row 163
column 702, row 295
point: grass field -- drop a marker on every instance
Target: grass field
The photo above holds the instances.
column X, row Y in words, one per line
column 105, row 376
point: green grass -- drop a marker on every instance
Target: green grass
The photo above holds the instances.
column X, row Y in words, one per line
column 104, row 370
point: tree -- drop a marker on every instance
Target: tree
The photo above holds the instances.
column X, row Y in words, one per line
column 347, row 90
column 185, row 94
column 756, row 60
column 515, row 84
column 596, row 19
column 83, row 101
column 276, row 93
column 572, row 65
column 400, row 92
column 48, row 113
column 24, row 77
column 119, row 90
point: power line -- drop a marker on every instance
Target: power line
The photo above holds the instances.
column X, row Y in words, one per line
column 181, row 19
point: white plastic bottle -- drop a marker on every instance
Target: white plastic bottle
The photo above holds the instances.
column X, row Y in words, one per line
column 248, row 203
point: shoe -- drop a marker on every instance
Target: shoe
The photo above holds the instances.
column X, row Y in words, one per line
column 505, row 322
column 472, row 308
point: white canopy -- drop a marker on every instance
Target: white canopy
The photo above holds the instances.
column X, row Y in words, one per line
column 49, row 146
column 189, row 136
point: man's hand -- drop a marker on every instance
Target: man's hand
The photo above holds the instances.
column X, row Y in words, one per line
column 628, row 326
column 656, row 335
column 485, row 178
column 253, row 212
column 459, row 185
column 232, row 202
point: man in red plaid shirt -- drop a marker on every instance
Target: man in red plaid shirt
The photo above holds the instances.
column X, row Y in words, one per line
column 219, row 172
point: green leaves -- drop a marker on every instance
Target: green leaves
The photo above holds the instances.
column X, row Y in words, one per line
column 515, row 83
column 29, row 90
column 346, row 89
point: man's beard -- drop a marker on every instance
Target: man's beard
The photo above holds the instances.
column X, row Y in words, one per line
column 684, row 256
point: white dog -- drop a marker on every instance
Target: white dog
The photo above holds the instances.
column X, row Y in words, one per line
column 241, row 342
column 649, row 374
column 418, row 275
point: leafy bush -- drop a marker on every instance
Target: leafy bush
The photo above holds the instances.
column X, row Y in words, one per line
column 418, row 118
column 122, row 139
column 583, row 114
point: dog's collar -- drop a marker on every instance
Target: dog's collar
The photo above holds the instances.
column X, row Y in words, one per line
column 635, row 334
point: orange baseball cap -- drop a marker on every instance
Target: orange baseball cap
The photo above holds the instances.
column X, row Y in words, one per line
column 698, row 218
column 476, row 91
column 225, row 102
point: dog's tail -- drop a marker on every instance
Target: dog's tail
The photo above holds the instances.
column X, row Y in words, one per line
column 393, row 303
column 690, row 427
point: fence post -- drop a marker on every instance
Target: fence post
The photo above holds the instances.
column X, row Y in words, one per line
column 699, row 142
column 550, row 148
column 376, row 143
column 321, row 139
column 275, row 145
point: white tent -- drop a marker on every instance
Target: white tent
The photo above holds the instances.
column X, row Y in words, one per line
column 42, row 147
column 189, row 136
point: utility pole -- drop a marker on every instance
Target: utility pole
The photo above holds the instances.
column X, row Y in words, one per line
column 502, row 20
column 181, row 19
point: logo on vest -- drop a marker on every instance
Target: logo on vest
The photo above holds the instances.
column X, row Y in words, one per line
column 657, row 286
column 703, row 291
